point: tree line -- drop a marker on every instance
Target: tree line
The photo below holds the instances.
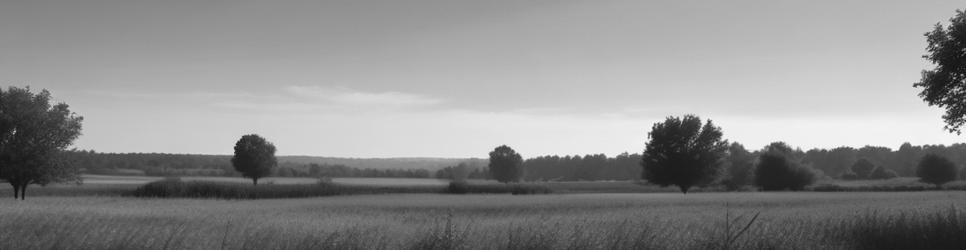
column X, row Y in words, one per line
column 687, row 152
column 160, row 164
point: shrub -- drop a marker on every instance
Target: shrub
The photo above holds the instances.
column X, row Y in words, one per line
column 936, row 170
column 850, row 176
column 462, row 187
column 881, row 173
column 863, row 168
column 173, row 187
column 458, row 187
column 776, row 172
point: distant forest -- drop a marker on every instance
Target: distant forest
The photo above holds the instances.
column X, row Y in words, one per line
column 156, row 164
column 832, row 162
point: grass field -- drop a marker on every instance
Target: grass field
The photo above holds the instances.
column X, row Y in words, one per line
column 802, row 220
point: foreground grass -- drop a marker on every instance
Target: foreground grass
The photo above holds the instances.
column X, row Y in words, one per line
column 434, row 221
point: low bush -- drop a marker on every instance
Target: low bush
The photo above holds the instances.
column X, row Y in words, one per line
column 839, row 188
column 881, row 173
column 776, row 172
column 849, row 176
column 174, row 187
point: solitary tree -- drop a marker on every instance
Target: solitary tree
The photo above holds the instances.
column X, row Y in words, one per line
column 683, row 152
column 863, row 168
column 33, row 136
column 936, row 170
column 944, row 85
column 254, row 157
column 506, row 165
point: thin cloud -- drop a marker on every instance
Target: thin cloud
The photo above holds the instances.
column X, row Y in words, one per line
column 350, row 97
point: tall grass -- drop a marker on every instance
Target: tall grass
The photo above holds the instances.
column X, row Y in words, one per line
column 431, row 221
column 917, row 229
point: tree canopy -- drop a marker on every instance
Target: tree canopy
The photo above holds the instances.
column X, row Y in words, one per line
column 779, row 169
column 683, row 152
column 739, row 165
column 944, row 85
column 863, row 168
column 506, row 165
column 936, row 170
column 33, row 136
column 254, row 157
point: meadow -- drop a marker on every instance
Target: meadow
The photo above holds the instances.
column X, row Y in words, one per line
column 785, row 220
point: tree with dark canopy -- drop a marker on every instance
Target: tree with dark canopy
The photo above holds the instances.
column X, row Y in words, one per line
column 945, row 85
column 683, row 152
column 935, row 169
column 778, row 169
column 506, row 165
column 739, row 164
column 863, row 168
column 33, row 136
column 254, row 157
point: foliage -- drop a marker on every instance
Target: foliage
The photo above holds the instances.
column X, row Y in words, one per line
column 462, row 187
column 176, row 188
column 583, row 168
column 160, row 164
column 506, row 165
column 881, row 173
column 739, row 165
column 936, row 170
column 849, row 176
column 832, row 162
column 254, row 157
column 863, row 168
column 33, row 136
column 944, row 85
column 777, row 170
column 462, row 172
column 683, row 153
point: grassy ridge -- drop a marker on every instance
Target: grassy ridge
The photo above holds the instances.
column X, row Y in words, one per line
column 432, row 221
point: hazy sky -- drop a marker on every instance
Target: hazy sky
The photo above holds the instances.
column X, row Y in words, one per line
column 455, row 78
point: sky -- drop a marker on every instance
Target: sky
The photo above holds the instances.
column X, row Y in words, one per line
column 456, row 78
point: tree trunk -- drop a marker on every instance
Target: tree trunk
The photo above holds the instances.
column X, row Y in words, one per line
column 254, row 181
column 23, row 191
column 16, row 190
